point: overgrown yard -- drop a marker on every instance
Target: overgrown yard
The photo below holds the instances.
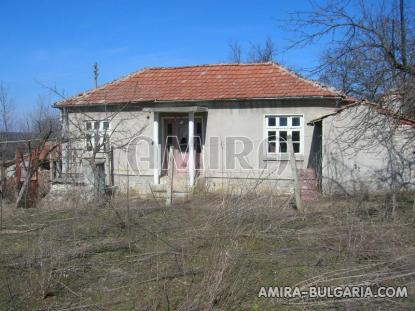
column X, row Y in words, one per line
column 214, row 252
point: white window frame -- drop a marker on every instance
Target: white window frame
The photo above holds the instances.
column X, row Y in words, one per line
column 289, row 129
column 93, row 131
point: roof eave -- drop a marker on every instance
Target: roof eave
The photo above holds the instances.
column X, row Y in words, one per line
column 335, row 97
column 401, row 119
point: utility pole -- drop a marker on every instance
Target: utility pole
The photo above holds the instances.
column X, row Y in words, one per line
column 403, row 32
column 96, row 74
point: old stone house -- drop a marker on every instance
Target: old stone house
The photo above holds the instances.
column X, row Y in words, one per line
column 238, row 118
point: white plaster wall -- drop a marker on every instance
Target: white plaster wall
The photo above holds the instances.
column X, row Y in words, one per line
column 356, row 157
column 125, row 126
column 249, row 121
column 224, row 119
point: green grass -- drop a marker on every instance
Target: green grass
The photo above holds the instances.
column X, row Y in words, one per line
column 204, row 254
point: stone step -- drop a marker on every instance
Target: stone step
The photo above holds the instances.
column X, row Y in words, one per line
column 307, row 173
column 177, row 196
column 308, row 184
column 180, row 183
column 309, row 195
column 159, row 188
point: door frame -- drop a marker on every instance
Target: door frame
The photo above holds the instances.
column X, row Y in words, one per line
column 164, row 153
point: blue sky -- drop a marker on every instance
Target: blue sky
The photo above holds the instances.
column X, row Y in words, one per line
column 57, row 42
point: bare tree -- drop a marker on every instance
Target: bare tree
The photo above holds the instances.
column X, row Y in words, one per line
column 31, row 163
column 371, row 50
column 89, row 137
column 93, row 137
column 7, row 118
column 370, row 55
column 235, row 52
column 44, row 118
column 257, row 53
column 44, row 127
column 6, row 109
column 262, row 53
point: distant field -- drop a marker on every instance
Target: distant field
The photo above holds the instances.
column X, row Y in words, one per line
column 213, row 253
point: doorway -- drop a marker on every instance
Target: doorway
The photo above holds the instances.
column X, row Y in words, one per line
column 176, row 135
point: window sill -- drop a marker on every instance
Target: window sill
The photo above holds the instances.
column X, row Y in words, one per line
column 282, row 157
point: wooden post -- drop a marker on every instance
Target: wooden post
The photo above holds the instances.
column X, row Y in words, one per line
column 127, row 220
column 169, row 188
column 52, row 168
column 112, row 166
column 294, row 174
column 108, row 166
column 170, row 170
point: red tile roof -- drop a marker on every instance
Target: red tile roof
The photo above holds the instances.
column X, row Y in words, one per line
column 204, row 83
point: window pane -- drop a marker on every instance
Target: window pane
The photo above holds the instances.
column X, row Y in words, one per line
column 283, row 141
column 272, row 135
column 283, row 147
column 96, row 125
column 198, row 144
column 199, row 128
column 272, row 147
column 169, row 135
column 88, row 141
column 283, row 136
column 280, row 136
column 296, row 147
column 88, row 125
column 295, row 121
column 272, row 121
column 296, row 135
column 105, row 125
column 183, row 144
column 169, row 129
